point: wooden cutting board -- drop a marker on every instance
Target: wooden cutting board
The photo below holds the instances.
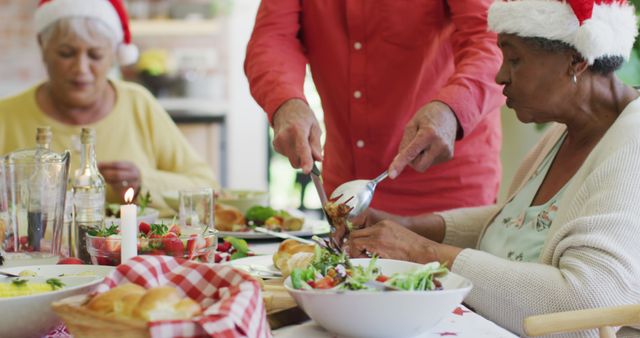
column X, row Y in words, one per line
column 275, row 296
column 282, row 309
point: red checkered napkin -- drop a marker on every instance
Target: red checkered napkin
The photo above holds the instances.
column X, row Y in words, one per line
column 231, row 298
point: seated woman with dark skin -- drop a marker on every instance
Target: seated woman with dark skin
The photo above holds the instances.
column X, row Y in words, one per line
column 568, row 236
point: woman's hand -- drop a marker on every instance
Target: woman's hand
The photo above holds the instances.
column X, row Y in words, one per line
column 388, row 239
column 297, row 134
column 430, row 226
column 121, row 175
column 372, row 216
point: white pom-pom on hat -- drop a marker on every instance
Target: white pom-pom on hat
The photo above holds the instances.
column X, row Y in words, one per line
column 127, row 54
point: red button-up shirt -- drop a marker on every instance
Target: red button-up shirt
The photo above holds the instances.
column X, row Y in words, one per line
column 375, row 63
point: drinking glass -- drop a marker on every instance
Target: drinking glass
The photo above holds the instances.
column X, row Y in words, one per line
column 4, row 204
column 196, row 208
column 34, row 185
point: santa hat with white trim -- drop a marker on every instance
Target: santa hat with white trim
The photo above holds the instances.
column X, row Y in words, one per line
column 112, row 12
column 595, row 28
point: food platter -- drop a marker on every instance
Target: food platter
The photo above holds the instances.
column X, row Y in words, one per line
column 309, row 228
column 259, row 266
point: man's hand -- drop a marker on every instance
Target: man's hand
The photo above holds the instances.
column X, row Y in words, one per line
column 297, row 134
column 121, row 175
column 428, row 139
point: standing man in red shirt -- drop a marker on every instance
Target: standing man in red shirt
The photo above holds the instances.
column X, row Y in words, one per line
column 402, row 82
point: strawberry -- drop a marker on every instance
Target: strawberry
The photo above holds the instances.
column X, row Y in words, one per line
column 112, row 244
column 191, row 246
column 97, row 242
column 144, row 228
column 70, row 260
column 106, row 261
column 224, row 247
column 172, row 244
column 217, row 258
column 175, row 229
column 157, row 252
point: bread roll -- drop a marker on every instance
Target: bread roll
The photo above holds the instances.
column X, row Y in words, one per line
column 108, row 301
column 164, row 303
column 286, row 250
column 299, row 260
column 135, row 302
column 227, row 216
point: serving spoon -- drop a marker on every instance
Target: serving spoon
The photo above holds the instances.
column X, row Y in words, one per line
column 357, row 194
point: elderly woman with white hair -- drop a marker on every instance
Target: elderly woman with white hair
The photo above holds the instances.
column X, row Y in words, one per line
column 137, row 145
column 568, row 237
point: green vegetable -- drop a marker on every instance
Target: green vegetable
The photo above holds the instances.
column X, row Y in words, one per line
column 143, row 202
column 240, row 245
column 55, row 283
column 420, row 279
column 19, row 282
column 296, row 278
column 159, row 229
column 259, row 214
column 104, row 231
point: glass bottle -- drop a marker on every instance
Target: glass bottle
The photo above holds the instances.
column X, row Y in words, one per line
column 43, row 138
column 39, row 192
column 88, row 189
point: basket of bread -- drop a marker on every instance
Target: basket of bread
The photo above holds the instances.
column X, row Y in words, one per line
column 161, row 296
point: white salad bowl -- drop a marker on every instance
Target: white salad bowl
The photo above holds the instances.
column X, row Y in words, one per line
column 382, row 314
column 32, row 316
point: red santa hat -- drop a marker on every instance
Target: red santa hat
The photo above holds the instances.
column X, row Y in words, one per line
column 112, row 12
column 595, row 28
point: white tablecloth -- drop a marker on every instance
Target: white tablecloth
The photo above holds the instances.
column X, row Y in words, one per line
column 461, row 323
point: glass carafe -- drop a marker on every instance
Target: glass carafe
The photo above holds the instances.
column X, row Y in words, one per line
column 35, row 188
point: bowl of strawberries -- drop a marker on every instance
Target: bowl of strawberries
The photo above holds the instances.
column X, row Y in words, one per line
column 153, row 239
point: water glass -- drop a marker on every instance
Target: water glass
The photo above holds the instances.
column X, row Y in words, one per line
column 196, row 208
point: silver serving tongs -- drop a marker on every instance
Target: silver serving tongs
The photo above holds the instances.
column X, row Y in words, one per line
column 316, row 177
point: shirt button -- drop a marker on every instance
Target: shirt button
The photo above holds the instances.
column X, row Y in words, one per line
column 357, row 94
column 357, row 45
column 360, row 144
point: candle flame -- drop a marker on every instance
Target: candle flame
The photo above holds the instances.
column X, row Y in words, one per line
column 128, row 196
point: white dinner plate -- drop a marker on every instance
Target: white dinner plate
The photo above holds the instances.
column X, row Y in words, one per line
column 259, row 266
column 309, row 228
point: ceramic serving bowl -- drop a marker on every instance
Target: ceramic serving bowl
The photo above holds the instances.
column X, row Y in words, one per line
column 32, row 316
column 382, row 314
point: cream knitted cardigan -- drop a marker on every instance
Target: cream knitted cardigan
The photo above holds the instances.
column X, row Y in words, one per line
column 591, row 256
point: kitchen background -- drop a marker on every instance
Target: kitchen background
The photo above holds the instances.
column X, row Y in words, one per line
column 192, row 52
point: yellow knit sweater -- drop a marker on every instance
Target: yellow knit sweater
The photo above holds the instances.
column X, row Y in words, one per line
column 138, row 129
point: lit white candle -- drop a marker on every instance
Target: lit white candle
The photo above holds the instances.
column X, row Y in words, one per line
column 128, row 227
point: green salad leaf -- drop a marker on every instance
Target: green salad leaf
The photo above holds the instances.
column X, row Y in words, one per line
column 55, row 283
column 421, row 279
